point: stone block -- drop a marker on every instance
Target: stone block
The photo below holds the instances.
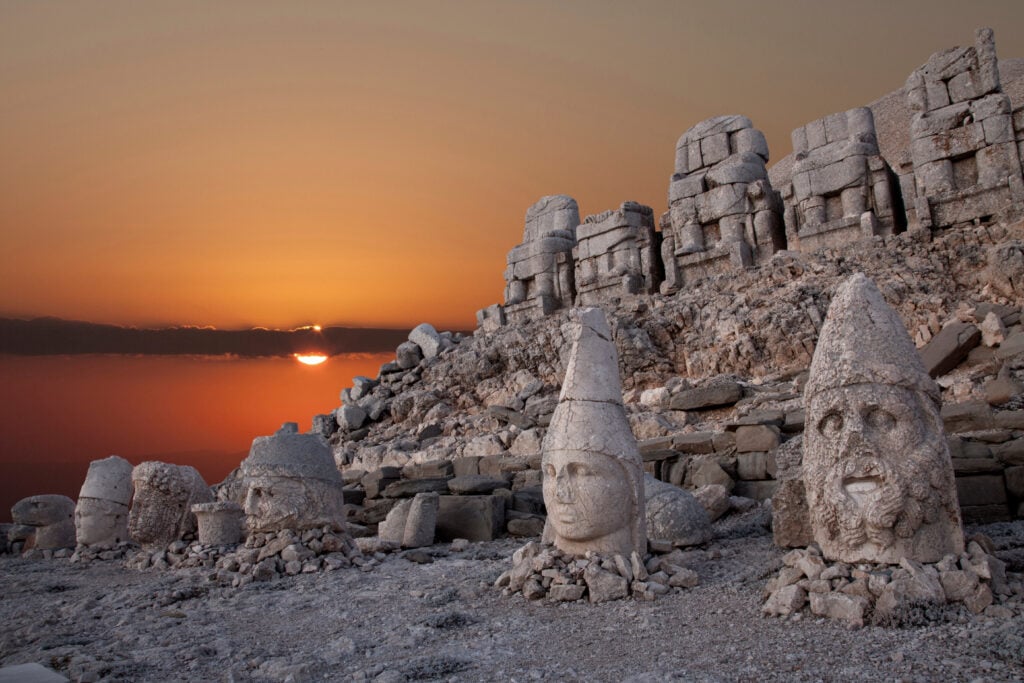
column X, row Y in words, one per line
column 791, row 520
column 850, row 609
column 694, row 442
column 720, row 392
column 987, row 489
column 950, row 346
column 427, row 338
column 376, row 481
column 752, row 466
column 752, row 438
column 407, row 488
column 476, row 484
column 971, row 416
column 466, row 465
column 1015, row 481
column 475, row 518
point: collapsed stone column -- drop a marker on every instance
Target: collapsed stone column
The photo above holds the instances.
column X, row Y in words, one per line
column 220, row 523
column 876, row 466
column 161, row 510
column 616, row 255
column 101, row 514
column 539, row 278
column 842, row 189
column 723, row 211
column 291, row 482
column 966, row 162
column 593, row 474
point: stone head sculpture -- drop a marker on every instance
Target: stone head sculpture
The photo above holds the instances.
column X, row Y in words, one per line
column 593, row 474
column 162, row 506
column 291, row 482
column 876, row 464
column 101, row 514
column 52, row 518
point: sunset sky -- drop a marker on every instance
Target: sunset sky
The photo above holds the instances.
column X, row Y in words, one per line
column 285, row 163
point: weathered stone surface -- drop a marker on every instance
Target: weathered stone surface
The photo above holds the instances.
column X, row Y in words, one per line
column 407, row 488
column 161, row 511
column 786, row 600
column 475, row 483
column 616, row 255
column 292, row 483
column 475, row 518
column 350, row 417
column 421, row 522
column 674, row 515
column 219, row 523
column 29, row 673
column 751, row 438
column 949, row 347
column 52, row 518
column 408, row 355
column 714, row 498
column 876, row 465
column 841, row 607
column 426, row 337
column 719, row 392
column 593, row 482
column 431, row 469
column 604, row 585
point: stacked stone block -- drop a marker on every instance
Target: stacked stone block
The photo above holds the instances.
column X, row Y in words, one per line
column 539, row 278
column 616, row 255
column 723, row 212
column 842, row 188
column 966, row 162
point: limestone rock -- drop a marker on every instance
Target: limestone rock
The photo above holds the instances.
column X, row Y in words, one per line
column 674, row 515
column 714, row 498
column 426, row 337
column 51, row 516
column 876, row 465
column 161, row 511
column 219, row 523
column 292, row 483
column 593, row 485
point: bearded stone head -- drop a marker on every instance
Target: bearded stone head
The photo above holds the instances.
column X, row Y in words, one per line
column 876, row 467
column 161, row 511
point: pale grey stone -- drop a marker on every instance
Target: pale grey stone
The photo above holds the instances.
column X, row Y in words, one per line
column 426, row 337
column 593, row 484
column 219, row 523
column 408, row 355
column 52, row 518
column 674, row 515
column 161, row 511
column 350, row 417
column 292, row 483
column 876, row 464
column 422, row 521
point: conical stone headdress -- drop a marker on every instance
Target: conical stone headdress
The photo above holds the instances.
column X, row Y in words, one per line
column 863, row 341
column 590, row 416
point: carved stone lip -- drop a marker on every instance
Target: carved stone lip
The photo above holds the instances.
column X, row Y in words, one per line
column 861, row 484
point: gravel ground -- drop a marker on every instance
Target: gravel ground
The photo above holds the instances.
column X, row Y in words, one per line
column 444, row 621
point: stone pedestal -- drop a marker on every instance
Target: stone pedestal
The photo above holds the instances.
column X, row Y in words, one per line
column 220, row 523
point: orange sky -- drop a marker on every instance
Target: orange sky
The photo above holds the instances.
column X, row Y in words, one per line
column 272, row 163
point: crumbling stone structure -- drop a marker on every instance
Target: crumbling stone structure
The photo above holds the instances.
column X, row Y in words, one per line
column 842, row 189
column 101, row 514
column 723, row 212
column 539, row 278
column 616, row 255
column 966, row 163
column 49, row 519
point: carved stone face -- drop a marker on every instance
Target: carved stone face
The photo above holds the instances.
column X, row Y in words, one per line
column 589, row 500
column 100, row 522
column 156, row 514
column 876, row 468
column 273, row 503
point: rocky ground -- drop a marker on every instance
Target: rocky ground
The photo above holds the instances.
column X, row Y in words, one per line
column 444, row 620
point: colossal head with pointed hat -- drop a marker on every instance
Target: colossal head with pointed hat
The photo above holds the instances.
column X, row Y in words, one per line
column 593, row 474
column 291, row 482
column 876, row 464
column 101, row 513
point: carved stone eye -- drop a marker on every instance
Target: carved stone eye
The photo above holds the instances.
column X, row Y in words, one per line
column 879, row 419
column 549, row 471
column 831, row 424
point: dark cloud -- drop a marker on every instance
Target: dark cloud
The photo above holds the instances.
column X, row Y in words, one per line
column 53, row 336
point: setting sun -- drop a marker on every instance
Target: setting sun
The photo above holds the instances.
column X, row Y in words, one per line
column 310, row 358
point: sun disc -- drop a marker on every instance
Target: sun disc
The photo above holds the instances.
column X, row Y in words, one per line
column 310, row 358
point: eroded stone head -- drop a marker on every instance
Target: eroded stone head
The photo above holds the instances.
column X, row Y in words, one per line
column 52, row 518
column 876, row 464
column 161, row 510
column 291, row 482
column 101, row 514
column 593, row 474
